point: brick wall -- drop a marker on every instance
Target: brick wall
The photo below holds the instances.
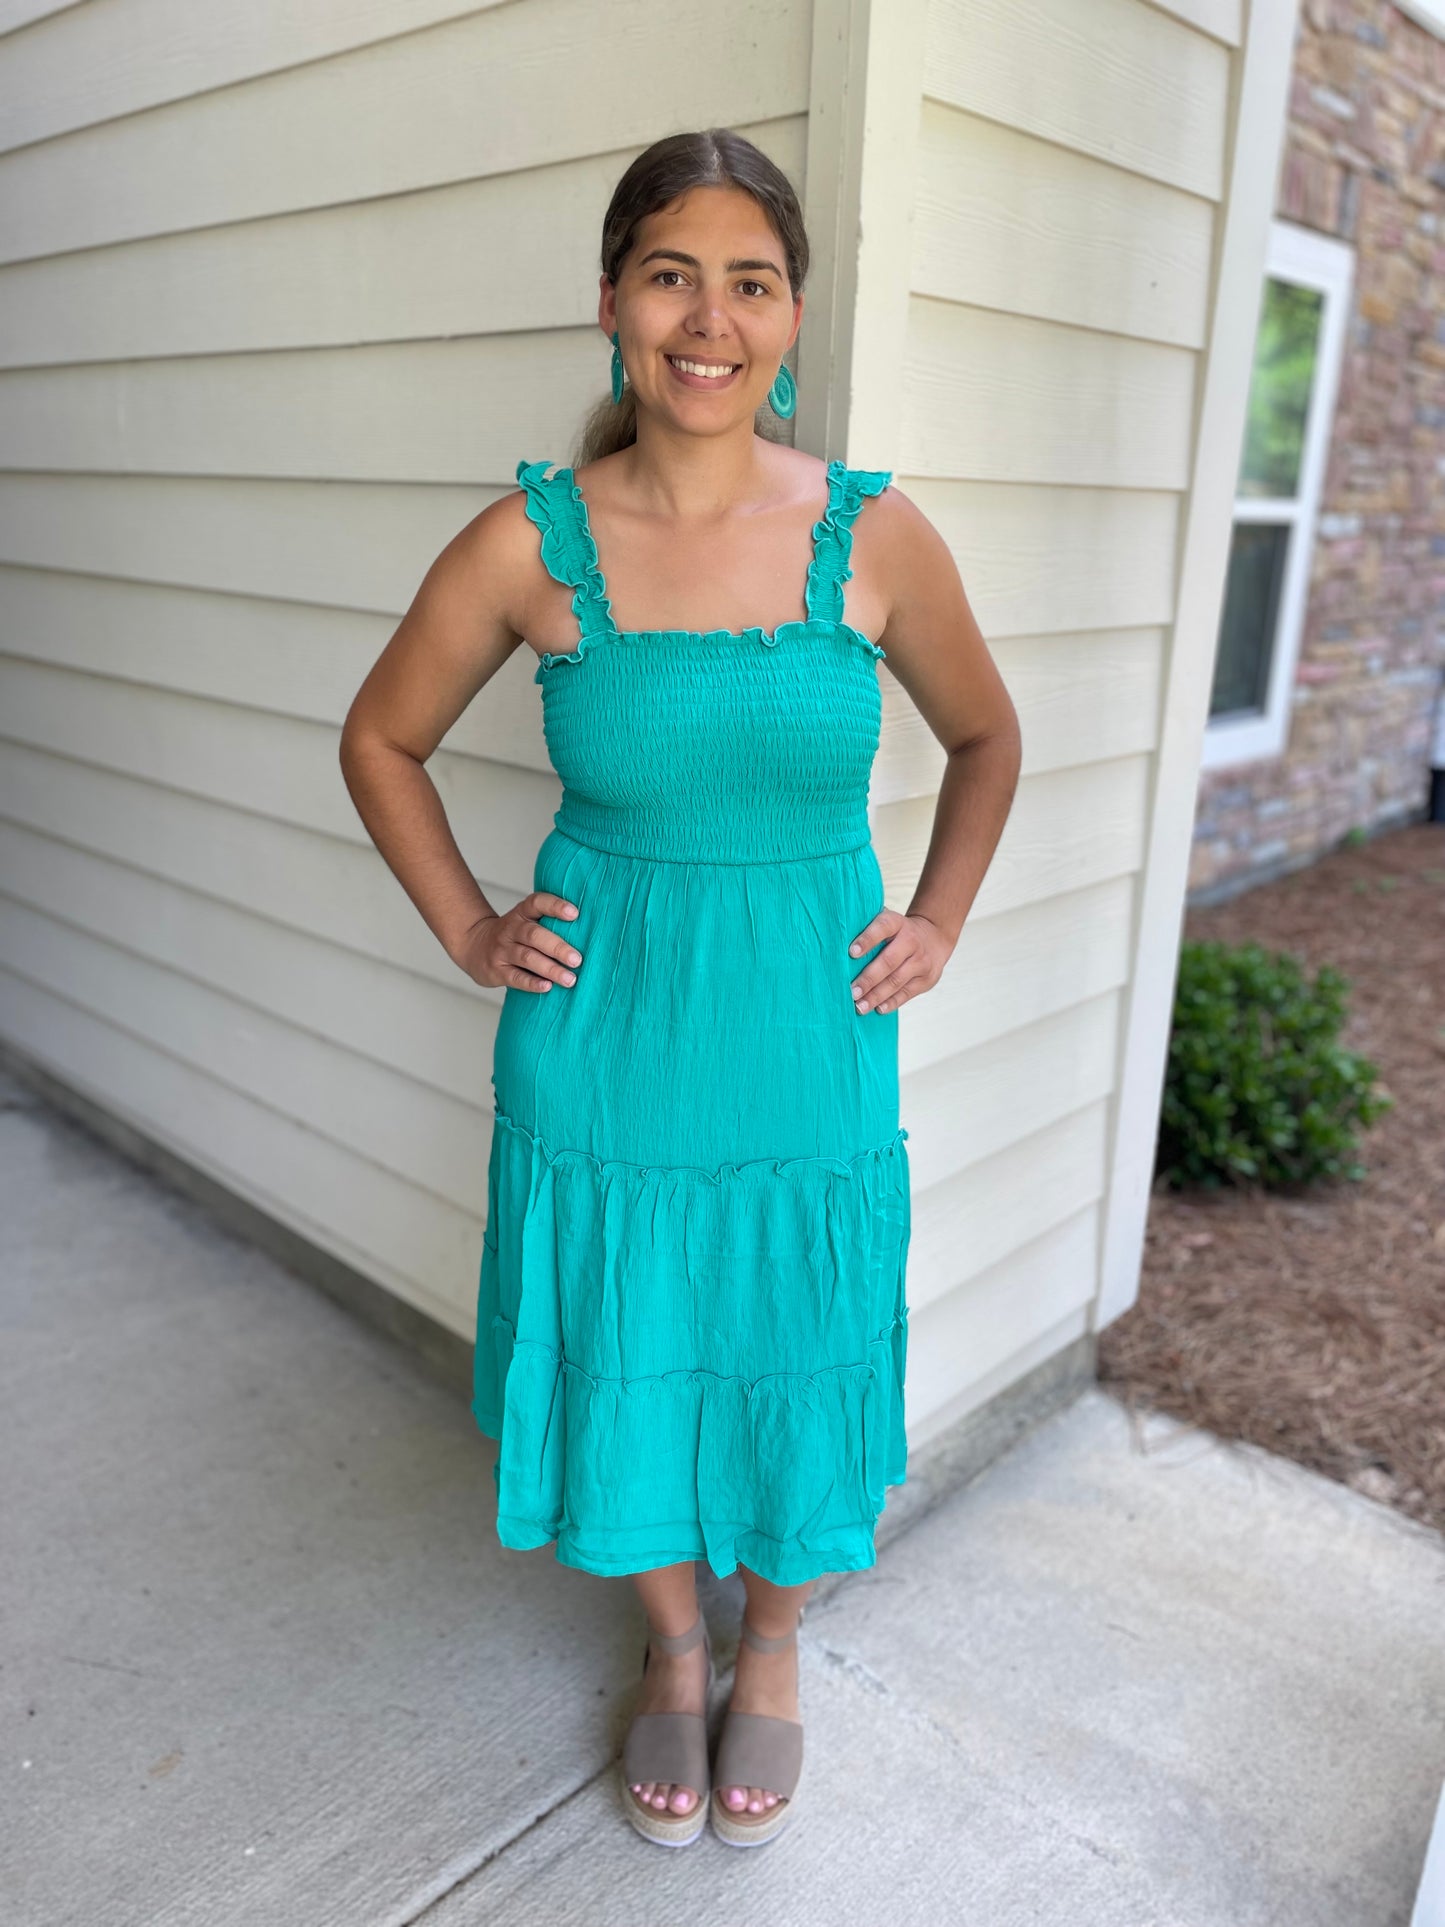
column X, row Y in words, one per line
column 1365, row 163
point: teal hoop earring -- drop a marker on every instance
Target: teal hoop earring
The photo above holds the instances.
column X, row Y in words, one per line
column 783, row 395
column 617, row 370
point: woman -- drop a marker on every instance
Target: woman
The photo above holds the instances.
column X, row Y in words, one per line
column 692, row 1320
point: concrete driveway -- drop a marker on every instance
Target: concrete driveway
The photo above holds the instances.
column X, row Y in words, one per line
column 267, row 1666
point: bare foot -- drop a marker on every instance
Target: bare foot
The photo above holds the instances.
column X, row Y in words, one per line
column 672, row 1683
column 763, row 1683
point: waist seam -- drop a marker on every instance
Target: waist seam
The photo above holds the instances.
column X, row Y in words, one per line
column 713, row 862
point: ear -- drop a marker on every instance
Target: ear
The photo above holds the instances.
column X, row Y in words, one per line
column 797, row 321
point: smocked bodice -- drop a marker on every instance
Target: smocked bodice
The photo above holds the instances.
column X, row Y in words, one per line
column 722, row 746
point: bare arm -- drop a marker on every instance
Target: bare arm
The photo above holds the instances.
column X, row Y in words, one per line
column 938, row 654
column 464, row 621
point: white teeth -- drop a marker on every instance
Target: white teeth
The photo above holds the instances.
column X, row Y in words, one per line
column 698, row 368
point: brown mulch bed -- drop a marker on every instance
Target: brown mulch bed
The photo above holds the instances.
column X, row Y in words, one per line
column 1314, row 1325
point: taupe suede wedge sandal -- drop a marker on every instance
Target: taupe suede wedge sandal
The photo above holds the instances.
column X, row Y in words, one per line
column 669, row 1747
column 757, row 1749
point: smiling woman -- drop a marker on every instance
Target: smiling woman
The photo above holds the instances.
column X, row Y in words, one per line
column 693, row 1323
column 752, row 260
column 692, row 1315
column 692, row 1320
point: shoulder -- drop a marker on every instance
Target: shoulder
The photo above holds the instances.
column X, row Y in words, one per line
column 896, row 530
column 905, row 555
column 494, row 556
column 602, row 479
column 501, row 531
column 898, row 527
column 814, row 478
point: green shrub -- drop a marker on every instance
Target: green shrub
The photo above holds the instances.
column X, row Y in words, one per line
column 1257, row 1089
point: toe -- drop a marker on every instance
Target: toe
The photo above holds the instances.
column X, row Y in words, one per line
column 735, row 1797
column 683, row 1799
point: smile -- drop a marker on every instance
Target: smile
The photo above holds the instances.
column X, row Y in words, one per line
column 702, row 374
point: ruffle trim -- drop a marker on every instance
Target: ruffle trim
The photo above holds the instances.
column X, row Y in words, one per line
column 653, row 1397
column 786, row 1474
column 687, row 1376
column 715, row 1175
column 568, row 549
column 833, row 536
column 785, row 631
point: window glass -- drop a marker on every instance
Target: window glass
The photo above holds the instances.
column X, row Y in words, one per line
column 1285, row 351
column 1246, row 630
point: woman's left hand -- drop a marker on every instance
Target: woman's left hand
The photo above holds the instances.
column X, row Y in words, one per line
column 908, row 964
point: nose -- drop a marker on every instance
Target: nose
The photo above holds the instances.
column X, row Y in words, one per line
column 708, row 316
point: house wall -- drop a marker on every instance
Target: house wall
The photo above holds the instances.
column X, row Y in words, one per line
column 1051, row 352
column 280, row 308
column 1364, row 164
column 284, row 297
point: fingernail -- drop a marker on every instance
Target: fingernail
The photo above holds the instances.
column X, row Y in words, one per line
column 574, row 958
column 855, row 950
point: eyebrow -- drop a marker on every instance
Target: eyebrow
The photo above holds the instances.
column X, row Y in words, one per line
column 691, row 261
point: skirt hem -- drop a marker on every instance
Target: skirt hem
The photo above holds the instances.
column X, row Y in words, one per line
column 732, row 1546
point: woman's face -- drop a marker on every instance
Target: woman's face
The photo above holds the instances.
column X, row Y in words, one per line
column 705, row 281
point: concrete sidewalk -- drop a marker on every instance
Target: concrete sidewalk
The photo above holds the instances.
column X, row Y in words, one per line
column 267, row 1666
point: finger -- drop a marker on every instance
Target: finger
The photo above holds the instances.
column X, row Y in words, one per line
column 887, row 986
column 520, row 979
column 536, row 936
column 886, row 1008
column 893, row 957
column 546, row 903
column 542, row 964
column 887, row 923
column 907, row 990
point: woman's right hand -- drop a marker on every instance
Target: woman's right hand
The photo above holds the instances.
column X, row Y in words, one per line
column 513, row 949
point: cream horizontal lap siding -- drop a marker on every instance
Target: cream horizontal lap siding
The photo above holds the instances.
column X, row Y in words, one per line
column 284, row 296
column 281, row 306
column 1061, row 231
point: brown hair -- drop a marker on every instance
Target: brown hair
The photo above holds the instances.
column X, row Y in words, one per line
column 715, row 157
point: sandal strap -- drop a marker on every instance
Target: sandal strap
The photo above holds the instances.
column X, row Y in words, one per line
column 669, row 1747
column 679, row 1642
column 759, row 1749
column 764, row 1645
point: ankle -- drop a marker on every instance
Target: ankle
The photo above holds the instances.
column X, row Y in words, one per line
column 767, row 1635
column 676, row 1665
column 677, row 1634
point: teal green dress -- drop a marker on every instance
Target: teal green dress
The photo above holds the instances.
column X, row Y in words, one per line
column 692, row 1318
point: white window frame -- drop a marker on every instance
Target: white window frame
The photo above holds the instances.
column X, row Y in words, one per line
column 1310, row 260
column 1426, row 13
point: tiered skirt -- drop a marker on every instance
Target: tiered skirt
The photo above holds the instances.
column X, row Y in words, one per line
column 692, row 1329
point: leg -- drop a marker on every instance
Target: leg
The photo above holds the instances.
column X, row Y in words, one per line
column 673, row 1682
column 765, row 1682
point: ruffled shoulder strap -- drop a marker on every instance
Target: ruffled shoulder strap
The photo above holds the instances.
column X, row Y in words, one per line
column 556, row 505
column 833, row 536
